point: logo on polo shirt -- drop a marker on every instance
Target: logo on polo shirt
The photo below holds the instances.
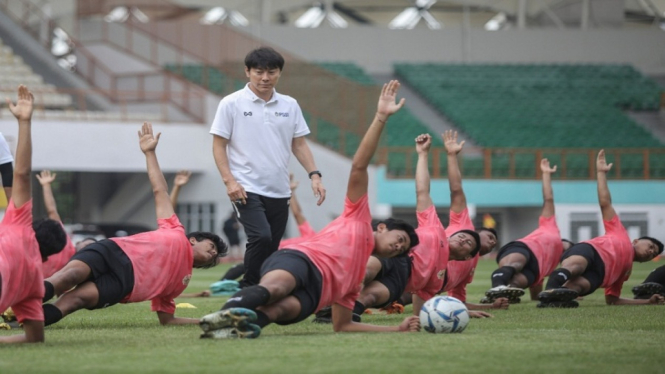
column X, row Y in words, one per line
column 186, row 279
column 281, row 114
column 441, row 274
column 247, row 114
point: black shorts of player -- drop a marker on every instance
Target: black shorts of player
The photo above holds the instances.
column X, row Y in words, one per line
column 394, row 274
column 530, row 270
column 595, row 270
column 112, row 271
column 7, row 173
column 309, row 281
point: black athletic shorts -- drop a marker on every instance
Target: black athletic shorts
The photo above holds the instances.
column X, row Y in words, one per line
column 309, row 281
column 7, row 173
column 112, row 271
column 530, row 270
column 595, row 270
column 394, row 274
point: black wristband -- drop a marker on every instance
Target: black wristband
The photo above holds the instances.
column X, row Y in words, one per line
column 315, row 172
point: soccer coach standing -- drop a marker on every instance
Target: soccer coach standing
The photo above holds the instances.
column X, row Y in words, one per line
column 255, row 130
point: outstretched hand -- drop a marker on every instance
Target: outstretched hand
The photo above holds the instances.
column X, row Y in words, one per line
column 479, row 314
column 545, row 166
column 182, row 178
column 601, row 162
column 410, row 324
column 147, row 141
column 450, row 142
column 657, row 299
column 500, row 303
column 45, row 177
column 423, row 143
column 24, row 104
column 387, row 105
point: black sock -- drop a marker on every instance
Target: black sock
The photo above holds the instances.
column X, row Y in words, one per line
column 49, row 291
column 250, row 297
column 657, row 276
column 51, row 314
column 359, row 308
column 502, row 276
column 557, row 278
column 235, row 272
column 262, row 319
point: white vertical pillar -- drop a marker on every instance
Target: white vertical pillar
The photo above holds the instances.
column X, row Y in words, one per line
column 521, row 15
column 584, row 22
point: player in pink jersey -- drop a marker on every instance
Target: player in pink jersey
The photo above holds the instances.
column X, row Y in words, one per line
column 327, row 269
column 154, row 265
column 58, row 261
column 24, row 245
column 525, row 262
column 605, row 261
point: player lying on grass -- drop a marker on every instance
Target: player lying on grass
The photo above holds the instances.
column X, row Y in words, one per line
column 24, row 245
column 605, row 261
column 328, row 268
column 652, row 285
column 155, row 265
column 525, row 262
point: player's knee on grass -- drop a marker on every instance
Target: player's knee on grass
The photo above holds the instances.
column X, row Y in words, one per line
column 372, row 269
column 374, row 294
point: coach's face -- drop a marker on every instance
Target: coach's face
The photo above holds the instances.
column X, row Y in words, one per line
column 262, row 81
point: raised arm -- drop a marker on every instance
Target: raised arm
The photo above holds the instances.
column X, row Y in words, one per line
column 45, row 179
column 302, row 152
column 181, row 179
column 295, row 206
column 386, row 107
column 423, row 198
column 148, row 143
column 234, row 190
column 21, row 190
column 457, row 196
column 604, row 197
column 548, row 194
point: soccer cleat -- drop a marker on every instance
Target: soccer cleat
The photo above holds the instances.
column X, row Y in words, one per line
column 231, row 317
column 557, row 294
column 646, row 290
column 242, row 331
column 559, row 304
column 325, row 316
column 504, row 291
column 394, row 308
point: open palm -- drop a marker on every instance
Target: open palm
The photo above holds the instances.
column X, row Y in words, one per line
column 147, row 140
column 387, row 104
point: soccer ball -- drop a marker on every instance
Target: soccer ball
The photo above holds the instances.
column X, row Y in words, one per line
column 444, row 314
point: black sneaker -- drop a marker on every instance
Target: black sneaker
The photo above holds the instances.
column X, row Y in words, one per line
column 557, row 294
column 325, row 316
column 559, row 304
column 646, row 290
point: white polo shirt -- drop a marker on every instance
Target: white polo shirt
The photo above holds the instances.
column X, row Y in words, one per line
column 260, row 135
column 5, row 152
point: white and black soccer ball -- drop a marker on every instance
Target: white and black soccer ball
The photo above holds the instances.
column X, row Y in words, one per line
column 444, row 314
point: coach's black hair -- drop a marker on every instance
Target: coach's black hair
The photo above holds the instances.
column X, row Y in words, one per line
column 264, row 58
column 50, row 236
column 655, row 241
column 476, row 237
column 222, row 248
column 398, row 224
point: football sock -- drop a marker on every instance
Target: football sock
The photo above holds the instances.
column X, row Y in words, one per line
column 557, row 278
column 359, row 308
column 657, row 276
column 502, row 276
column 49, row 291
column 250, row 297
column 51, row 314
column 261, row 319
column 235, row 272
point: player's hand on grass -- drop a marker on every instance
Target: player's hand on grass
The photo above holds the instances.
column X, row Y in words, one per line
column 423, row 143
column 45, row 177
column 601, row 162
column 22, row 110
column 182, row 178
column 147, row 140
column 479, row 314
column 657, row 299
column 450, row 142
column 387, row 105
column 205, row 293
column 500, row 303
column 411, row 324
column 236, row 192
column 545, row 166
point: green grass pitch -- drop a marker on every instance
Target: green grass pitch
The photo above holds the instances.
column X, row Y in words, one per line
column 594, row 338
